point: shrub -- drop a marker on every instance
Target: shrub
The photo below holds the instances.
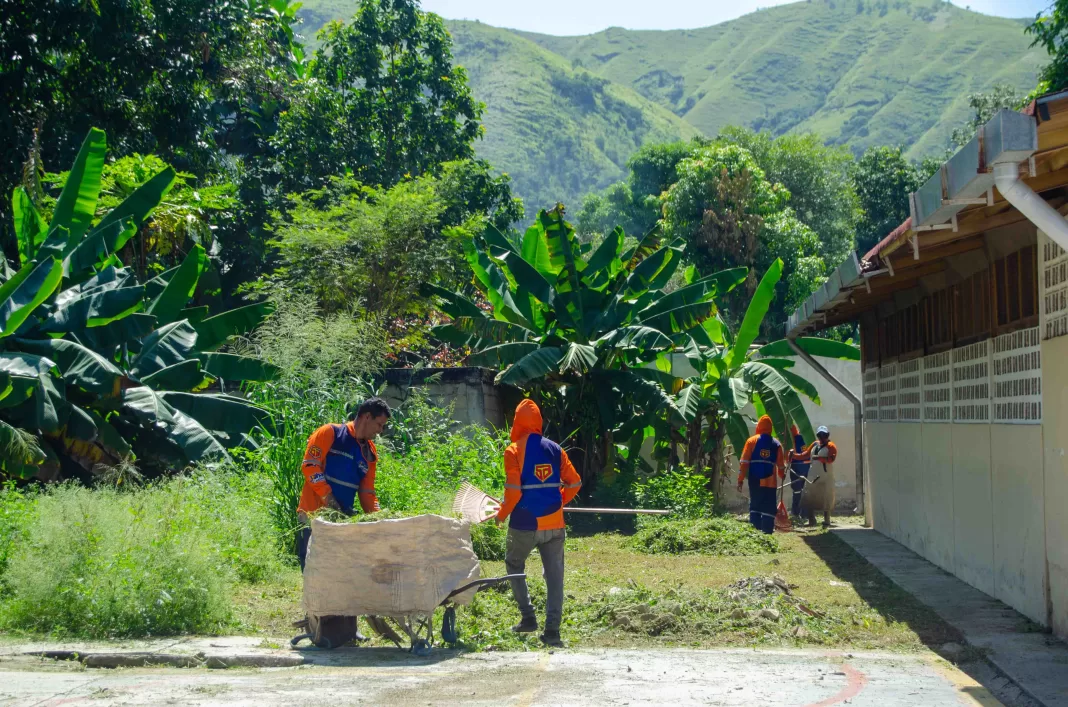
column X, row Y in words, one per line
column 679, row 490
column 720, row 535
column 161, row 560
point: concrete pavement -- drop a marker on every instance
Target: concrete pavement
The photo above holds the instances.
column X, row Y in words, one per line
column 731, row 678
column 1036, row 661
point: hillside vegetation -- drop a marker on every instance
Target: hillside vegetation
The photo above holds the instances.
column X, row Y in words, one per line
column 870, row 72
column 858, row 73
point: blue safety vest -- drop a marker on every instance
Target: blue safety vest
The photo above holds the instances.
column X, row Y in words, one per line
column 345, row 467
column 765, row 454
column 540, row 483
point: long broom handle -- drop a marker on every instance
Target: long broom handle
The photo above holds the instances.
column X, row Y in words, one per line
column 620, row 511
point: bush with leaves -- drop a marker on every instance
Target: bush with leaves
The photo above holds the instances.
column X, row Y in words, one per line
column 99, row 367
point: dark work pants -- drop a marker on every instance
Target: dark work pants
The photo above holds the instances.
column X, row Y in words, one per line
column 797, row 484
column 762, row 507
column 303, row 536
column 550, row 544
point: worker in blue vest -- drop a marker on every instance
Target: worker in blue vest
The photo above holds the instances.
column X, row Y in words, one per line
column 763, row 462
column 800, row 462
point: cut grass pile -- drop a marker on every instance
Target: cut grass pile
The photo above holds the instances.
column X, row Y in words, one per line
column 720, row 535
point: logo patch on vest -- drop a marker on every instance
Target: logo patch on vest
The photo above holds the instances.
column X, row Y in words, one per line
column 315, row 452
column 543, row 471
column 765, row 453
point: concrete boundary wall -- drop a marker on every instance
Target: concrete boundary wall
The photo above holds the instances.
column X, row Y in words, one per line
column 969, row 498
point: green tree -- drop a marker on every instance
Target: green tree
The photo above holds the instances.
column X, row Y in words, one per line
column 819, row 179
column 381, row 101
column 731, row 215
column 172, row 77
column 884, row 179
column 1049, row 31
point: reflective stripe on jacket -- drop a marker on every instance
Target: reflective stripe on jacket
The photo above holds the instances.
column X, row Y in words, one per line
column 334, row 463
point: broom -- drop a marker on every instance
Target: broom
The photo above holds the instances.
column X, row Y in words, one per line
column 476, row 506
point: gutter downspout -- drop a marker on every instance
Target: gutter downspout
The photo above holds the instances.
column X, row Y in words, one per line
column 858, row 422
column 1030, row 204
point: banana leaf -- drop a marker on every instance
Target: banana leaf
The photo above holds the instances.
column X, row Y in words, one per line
column 451, row 303
column 168, row 305
column 194, row 315
column 755, row 313
column 649, row 244
column 492, row 329
column 79, row 366
column 535, row 365
column 780, row 399
column 30, row 228
column 166, row 346
column 213, row 332
column 97, row 247
column 536, row 252
column 184, row 376
column 109, row 437
column 195, row 441
column 501, row 355
column 128, row 329
column 109, row 278
column 496, row 239
column 232, row 367
column 97, row 309
column 39, row 411
column 21, row 295
column 600, row 264
column 21, row 454
column 579, row 358
column 679, row 319
column 814, row 347
column 76, row 206
column 527, row 277
column 220, row 412
column 688, row 402
column 737, row 432
column 642, row 338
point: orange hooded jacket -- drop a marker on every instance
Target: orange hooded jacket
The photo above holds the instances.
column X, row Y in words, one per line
column 316, row 488
column 527, row 422
column 763, row 427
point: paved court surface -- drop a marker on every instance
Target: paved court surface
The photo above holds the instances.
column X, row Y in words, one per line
column 602, row 677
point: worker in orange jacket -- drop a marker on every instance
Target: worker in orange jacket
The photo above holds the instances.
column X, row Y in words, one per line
column 763, row 462
column 539, row 482
column 339, row 468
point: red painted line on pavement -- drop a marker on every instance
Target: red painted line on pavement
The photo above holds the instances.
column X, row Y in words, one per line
column 855, row 682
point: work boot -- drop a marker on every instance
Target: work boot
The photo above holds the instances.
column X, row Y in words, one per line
column 551, row 637
column 529, row 624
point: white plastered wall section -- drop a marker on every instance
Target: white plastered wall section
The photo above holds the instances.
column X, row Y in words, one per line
column 988, row 502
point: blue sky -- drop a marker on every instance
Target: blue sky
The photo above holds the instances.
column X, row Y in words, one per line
column 570, row 17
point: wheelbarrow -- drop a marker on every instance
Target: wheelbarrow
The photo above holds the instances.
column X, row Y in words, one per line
column 395, row 573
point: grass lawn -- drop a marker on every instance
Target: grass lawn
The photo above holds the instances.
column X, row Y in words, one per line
column 620, row 597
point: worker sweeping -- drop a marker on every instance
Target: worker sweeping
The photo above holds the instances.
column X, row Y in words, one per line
column 539, row 482
column 763, row 462
column 339, row 468
column 800, row 462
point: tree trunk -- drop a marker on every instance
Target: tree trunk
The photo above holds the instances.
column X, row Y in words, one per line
column 693, row 444
column 717, row 432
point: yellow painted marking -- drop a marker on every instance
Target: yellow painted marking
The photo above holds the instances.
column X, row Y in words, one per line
column 968, row 690
column 526, row 698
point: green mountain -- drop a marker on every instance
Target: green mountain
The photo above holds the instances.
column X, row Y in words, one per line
column 858, row 73
column 564, row 113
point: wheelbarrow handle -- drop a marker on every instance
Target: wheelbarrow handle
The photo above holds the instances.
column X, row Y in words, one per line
column 483, row 584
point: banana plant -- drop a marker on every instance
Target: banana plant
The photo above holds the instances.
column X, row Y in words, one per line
column 98, row 368
column 595, row 323
column 737, row 377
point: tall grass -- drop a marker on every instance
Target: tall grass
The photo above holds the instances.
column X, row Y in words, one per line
column 161, row 560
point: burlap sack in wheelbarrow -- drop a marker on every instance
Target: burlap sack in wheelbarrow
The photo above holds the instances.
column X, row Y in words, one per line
column 387, row 568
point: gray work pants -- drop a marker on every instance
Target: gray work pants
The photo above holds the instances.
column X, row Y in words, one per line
column 550, row 544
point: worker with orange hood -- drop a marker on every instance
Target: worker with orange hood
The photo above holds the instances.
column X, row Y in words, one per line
column 763, row 462
column 539, row 482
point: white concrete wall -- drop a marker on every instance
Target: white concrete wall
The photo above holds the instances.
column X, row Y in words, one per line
column 969, row 498
column 1055, row 481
